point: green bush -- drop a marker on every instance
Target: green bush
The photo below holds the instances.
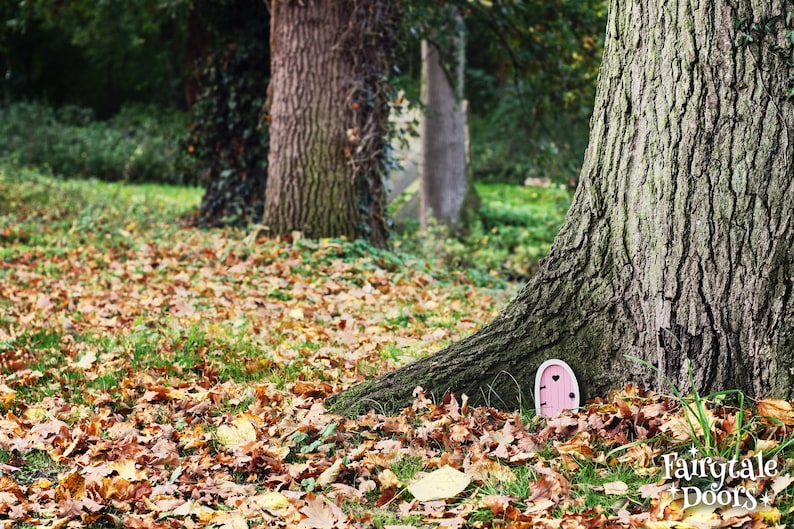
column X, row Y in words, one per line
column 514, row 231
column 507, row 146
column 141, row 143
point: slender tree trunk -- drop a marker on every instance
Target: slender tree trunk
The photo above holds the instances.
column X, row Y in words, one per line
column 328, row 119
column 678, row 244
column 446, row 186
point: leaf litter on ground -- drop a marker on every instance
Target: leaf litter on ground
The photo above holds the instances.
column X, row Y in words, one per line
column 174, row 377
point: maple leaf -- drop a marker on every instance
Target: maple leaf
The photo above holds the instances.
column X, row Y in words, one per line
column 330, row 474
column 72, row 486
column 126, row 470
column 320, row 514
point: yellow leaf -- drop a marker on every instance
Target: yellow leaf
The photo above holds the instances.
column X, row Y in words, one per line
column 769, row 516
column 446, row 482
column 388, row 479
column 330, row 474
column 273, row 502
column 240, row 431
column 176, row 394
column 35, row 414
column 296, row 314
column 126, row 469
column 7, row 395
column 71, row 486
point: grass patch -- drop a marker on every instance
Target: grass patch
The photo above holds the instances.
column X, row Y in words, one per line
column 38, row 465
column 515, row 229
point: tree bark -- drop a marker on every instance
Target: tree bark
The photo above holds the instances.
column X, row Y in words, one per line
column 328, row 119
column 678, row 243
column 446, row 187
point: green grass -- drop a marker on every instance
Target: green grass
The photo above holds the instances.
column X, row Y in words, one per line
column 515, row 229
column 38, row 465
column 587, row 485
column 55, row 216
column 407, row 467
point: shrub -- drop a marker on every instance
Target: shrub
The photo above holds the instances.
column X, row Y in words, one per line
column 515, row 229
column 141, row 143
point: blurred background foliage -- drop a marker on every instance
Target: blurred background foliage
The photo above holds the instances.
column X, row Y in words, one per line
column 172, row 91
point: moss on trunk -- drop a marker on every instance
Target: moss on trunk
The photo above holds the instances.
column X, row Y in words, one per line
column 679, row 244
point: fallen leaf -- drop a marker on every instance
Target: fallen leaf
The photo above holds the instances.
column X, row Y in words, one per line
column 775, row 411
column 320, row 514
column 273, row 502
column 780, row 483
column 86, row 361
column 615, row 488
column 193, row 508
column 240, row 431
column 127, row 470
column 330, row 474
column 441, row 484
column 388, row 480
column 71, row 486
column 487, row 471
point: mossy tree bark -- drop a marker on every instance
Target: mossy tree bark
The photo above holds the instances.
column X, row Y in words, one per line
column 678, row 244
column 328, row 118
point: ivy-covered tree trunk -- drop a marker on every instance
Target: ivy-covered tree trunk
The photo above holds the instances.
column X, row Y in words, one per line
column 328, row 118
column 447, row 189
column 679, row 244
column 227, row 93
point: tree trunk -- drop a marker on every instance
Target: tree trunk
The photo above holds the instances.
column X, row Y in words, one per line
column 446, row 186
column 328, row 119
column 678, row 244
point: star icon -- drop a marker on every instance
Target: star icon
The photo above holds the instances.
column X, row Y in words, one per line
column 673, row 490
column 693, row 451
column 766, row 499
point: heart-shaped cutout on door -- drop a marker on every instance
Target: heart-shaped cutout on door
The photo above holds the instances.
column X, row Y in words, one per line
column 555, row 378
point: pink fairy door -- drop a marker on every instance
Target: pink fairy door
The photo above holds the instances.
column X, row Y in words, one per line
column 556, row 389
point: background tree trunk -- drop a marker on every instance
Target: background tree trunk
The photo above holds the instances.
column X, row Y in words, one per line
column 230, row 68
column 328, row 119
column 446, row 183
column 678, row 244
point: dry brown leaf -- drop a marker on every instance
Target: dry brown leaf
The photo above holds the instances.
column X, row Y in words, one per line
column 320, row 514
column 71, row 486
column 497, row 504
column 546, row 488
column 194, row 508
column 615, row 488
column 775, row 411
column 487, row 471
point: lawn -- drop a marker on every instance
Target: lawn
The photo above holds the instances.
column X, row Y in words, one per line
column 155, row 375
